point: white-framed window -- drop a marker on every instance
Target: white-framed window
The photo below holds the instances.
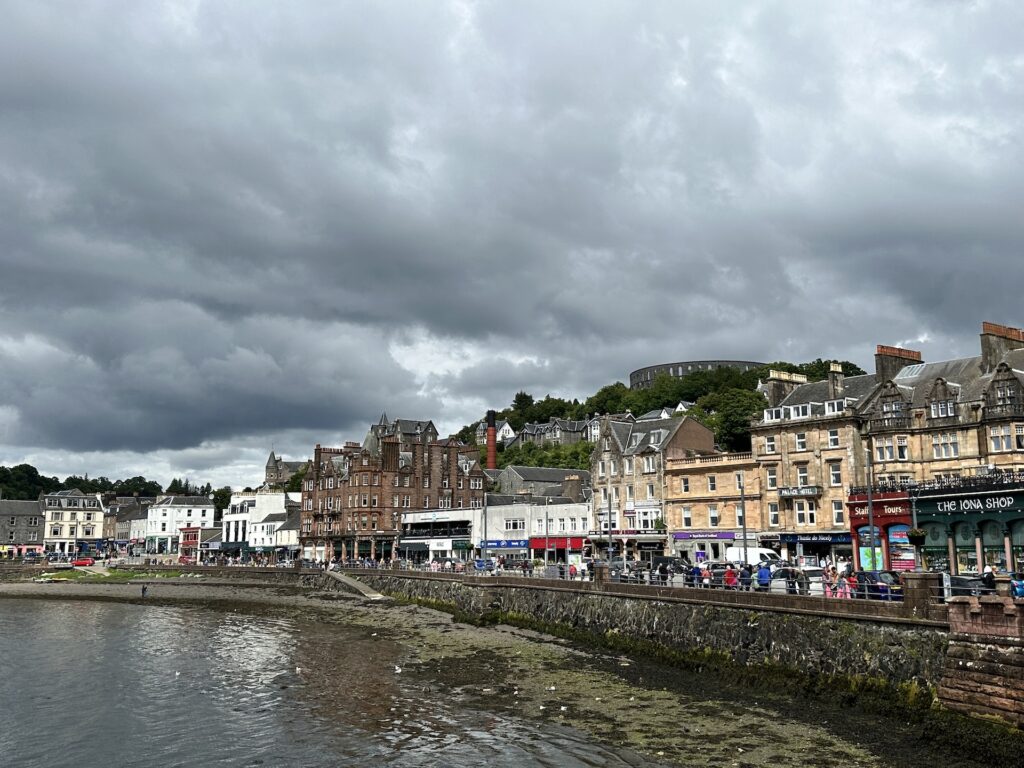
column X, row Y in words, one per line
column 739, row 516
column 627, row 466
column 629, row 493
column 684, row 485
column 771, row 475
column 712, row 483
column 835, row 473
column 801, row 475
column 373, row 500
column 515, row 524
column 800, row 411
column 648, row 463
column 902, row 450
column 650, row 490
column 946, row 445
column 800, row 441
column 770, row 445
column 838, row 516
column 833, row 438
column 806, row 512
column 773, row 513
column 772, row 414
column 55, row 532
column 943, row 408
column 687, row 517
column 601, row 471
column 426, row 481
column 884, row 449
column 713, row 515
column 833, row 407
column 604, row 495
column 614, row 467
column 615, row 494
column 364, row 500
column 999, row 438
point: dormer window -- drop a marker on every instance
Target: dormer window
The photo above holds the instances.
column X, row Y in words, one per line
column 1006, row 394
column 832, row 407
column 943, row 408
column 800, row 411
column 773, row 414
column 634, row 440
column 892, row 407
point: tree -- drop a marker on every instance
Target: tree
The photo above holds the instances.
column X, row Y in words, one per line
column 294, row 484
column 817, row 370
column 729, row 414
column 25, row 483
column 139, row 485
column 222, row 498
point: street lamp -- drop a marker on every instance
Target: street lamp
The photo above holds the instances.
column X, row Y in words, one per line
column 547, row 535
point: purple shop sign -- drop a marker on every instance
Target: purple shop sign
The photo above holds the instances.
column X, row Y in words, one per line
column 703, row 535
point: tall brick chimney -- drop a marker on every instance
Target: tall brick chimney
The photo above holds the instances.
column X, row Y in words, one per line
column 891, row 360
column 996, row 341
column 492, row 442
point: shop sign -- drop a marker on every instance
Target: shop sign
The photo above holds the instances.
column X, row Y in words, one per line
column 684, row 535
column 880, row 509
column 507, row 544
column 462, row 545
column 803, row 490
column 811, row 538
column 996, row 502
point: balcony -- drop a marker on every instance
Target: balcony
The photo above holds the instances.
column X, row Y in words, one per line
column 801, row 491
column 1003, row 411
column 885, row 423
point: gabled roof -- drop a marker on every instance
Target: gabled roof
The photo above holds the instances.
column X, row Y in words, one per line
column 19, row 507
column 854, row 387
column 640, row 436
column 184, row 501
column 548, row 474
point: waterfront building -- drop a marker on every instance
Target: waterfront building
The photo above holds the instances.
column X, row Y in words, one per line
column 130, row 516
column 515, row 480
column 286, row 538
column 628, row 471
column 517, row 526
column 74, row 522
column 278, row 471
column 169, row 514
column 354, row 497
column 704, row 506
column 197, row 542
column 250, row 522
column 947, row 448
column 22, row 528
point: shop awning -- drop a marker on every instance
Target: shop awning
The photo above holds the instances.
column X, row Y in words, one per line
column 556, row 542
column 412, row 546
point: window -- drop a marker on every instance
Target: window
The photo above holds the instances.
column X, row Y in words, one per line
column 800, row 411
column 330, row 482
column 515, row 524
column 629, row 493
column 684, row 485
column 835, row 473
column 561, row 525
column 405, row 481
column 687, row 518
column 772, row 477
column 942, row 408
column 614, row 468
column 945, row 445
column 772, row 414
column 805, row 512
column 615, row 494
column 837, row 513
column 1019, row 430
column 627, row 466
column 1000, row 438
column 801, row 475
column 650, row 490
column 407, row 501
column 604, row 495
column 163, row 527
column 55, row 531
column 713, row 515
column 13, row 521
column 364, row 500
column 426, row 501
column 833, row 438
column 606, row 445
column 648, row 463
column 10, row 536
column 884, row 449
column 373, row 500
column 459, row 484
column 712, row 483
column 601, row 468
column 739, row 517
column 901, row 447
column 769, row 444
column 833, row 407
column 773, row 513
column 426, row 482
column 800, row 440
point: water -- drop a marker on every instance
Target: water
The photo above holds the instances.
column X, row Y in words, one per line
column 92, row 683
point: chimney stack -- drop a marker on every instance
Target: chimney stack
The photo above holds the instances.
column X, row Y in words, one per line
column 779, row 384
column 835, row 381
column 492, row 442
column 891, row 360
column 996, row 341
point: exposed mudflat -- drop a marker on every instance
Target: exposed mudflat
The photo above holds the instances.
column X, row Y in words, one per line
column 666, row 715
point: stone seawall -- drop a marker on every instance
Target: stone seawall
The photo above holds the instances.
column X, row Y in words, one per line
column 887, row 652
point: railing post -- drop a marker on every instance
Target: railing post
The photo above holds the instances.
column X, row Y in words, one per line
column 920, row 593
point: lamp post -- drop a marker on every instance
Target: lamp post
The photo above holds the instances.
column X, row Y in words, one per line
column 743, row 512
column 871, row 507
column 547, row 535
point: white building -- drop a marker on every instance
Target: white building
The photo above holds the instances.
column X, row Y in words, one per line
column 527, row 526
column 169, row 514
column 74, row 522
column 251, row 522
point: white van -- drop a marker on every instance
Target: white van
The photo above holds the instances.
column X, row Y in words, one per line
column 754, row 555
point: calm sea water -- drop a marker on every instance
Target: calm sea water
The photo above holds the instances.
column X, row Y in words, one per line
column 95, row 684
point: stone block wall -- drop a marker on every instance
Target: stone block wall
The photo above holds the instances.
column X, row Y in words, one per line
column 984, row 667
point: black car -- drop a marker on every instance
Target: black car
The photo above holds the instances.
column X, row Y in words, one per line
column 878, row 585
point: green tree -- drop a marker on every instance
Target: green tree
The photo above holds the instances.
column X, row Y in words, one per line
column 294, row 484
column 729, row 414
column 139, row 485
column 24, row 482
column 222, row 498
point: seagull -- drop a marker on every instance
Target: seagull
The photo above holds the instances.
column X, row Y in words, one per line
column 373, row 635
column 177, row 673
column 564, row 708
column 398, row 669
column 542, row 706
column 551, row 688
column 298, row 670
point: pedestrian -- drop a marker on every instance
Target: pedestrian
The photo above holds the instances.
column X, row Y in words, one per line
column 145, row 589
column 695, row 576
column 663, row 574
column 572, row 571
column 706, row 576
column 764, row 577
column 745, row 577
column 729, row 579
column 988, row 580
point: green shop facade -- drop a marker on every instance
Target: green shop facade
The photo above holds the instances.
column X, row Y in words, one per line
column 979, row 520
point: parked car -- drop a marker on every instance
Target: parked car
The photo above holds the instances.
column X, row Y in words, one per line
column 801, row 581
column 878, row 585
column 80, row 562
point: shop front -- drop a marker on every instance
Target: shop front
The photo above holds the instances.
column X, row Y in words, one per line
column 972, row 523
column 560, row 549
column 700, row 546
column 892, row 516
column 811, row 549
column 510, row 549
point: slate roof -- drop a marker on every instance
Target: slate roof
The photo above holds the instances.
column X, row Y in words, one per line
column 816, row 392
column 504, row 499
column 19, row 507
column 964, row 373
column 548, row 474
column 640, row 436
column 292, row 523
column 275, row 517
column 184, row 501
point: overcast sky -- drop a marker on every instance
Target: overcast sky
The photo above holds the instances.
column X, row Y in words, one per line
column 228, row 225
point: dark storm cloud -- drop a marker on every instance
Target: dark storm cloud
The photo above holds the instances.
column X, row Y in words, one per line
column 224, row 221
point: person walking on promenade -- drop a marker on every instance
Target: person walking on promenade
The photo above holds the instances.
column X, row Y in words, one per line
column 745, row 578
column 145, row 589
column 764, row 577
column 729, row 579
